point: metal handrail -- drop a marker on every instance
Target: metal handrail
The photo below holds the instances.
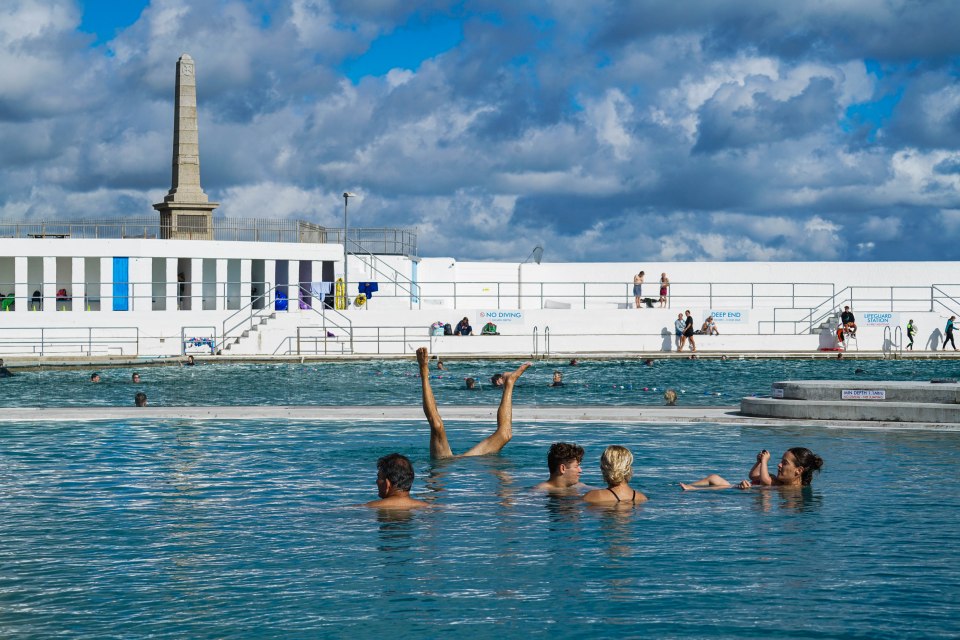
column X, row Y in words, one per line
column 536, row 342
column 394, row 280
column 80, row 337
column 251, row 312
column 546, row 342
column 387, row 241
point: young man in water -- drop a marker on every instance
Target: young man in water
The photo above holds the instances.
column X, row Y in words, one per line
column 394, row 479
column 439, row 446
column 140, row 400
column 563, row 460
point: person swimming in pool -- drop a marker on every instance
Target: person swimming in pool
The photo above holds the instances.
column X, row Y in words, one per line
column 394, row 480
column 557, row 379
column 795, row 470
column 616, row 465
column 439, row 446
column 563, row 461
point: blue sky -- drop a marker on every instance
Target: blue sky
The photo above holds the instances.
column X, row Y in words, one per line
column 650, row 130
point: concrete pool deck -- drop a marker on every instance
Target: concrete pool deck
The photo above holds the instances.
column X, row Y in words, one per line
column 633, row 414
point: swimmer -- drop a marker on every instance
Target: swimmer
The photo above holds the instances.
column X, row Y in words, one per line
column 616, row 465
column 574, row 363
column 557, row 379
column 440, row 364
column 439, row 446
column 563, row 461
column 648, row 362
column 94, row 378
column 140, row 400
column 471, row 383
column 394, row 479
column 4, row 372
column 795, row 470
column 135, row 378
column 670, row 397
column 496, row 379
column 190, row 361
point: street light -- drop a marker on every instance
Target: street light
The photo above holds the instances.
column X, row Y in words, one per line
column 537, row 255
column 346, row 198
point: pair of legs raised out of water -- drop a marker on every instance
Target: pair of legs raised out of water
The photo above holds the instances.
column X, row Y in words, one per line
column 439, row 446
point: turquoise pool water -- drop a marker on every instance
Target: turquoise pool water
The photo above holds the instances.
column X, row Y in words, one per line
column 174, row 529
column 701, row 382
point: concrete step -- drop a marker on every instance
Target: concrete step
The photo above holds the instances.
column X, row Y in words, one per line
column 856, row 410
column 892, row 391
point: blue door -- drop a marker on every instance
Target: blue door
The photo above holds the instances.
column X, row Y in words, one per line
column 121, row 284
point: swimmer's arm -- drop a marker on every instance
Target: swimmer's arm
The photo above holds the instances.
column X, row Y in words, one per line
column 759, row 473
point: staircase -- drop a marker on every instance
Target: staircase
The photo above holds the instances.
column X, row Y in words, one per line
column 261, row 320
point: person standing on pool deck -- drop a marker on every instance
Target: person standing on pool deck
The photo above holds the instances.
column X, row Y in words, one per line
column 638, row 288
column 439, row 446
column 678, row 327
column 911, row 333
column 664, row 285
column 394, row 480
column 563, row 461
column 948, row 330
column 616, row 465
column 795, row 470
column 687, row 333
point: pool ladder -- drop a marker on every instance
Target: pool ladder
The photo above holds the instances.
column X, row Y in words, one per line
column 546, row 342
column 893, row 342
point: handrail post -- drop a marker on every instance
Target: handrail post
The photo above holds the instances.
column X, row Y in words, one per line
column 932, row 287
column 584, row 295
column 541, row 295
column 710, row 293
column 751, row 298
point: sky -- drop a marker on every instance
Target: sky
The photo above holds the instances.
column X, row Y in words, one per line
column 602, row 130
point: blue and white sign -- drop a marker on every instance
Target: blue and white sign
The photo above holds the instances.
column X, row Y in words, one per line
column 728, row 316
column 501, row 317
column 878, row 319
column 863, row 394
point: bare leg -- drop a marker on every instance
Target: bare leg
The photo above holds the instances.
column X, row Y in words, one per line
column 439, row 447
column 712, row 481
column 499, row 438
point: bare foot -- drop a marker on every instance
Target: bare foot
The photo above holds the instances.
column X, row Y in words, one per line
column 687, row 487
column 512, row 376
column 423, row 358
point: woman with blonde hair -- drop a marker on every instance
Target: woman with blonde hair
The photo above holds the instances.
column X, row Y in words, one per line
column 616, row 465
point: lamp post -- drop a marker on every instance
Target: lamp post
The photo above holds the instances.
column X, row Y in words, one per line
column 537, row 255
column 346, row 198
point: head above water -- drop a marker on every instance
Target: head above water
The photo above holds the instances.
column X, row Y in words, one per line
column 799, row 462
column 616, row 464
column 397, row 469
column 496, row 379
column 140, row 399
column 563, row 453
column 470, row 382
column 557, row 376
column 94, row 377
column 135, row 377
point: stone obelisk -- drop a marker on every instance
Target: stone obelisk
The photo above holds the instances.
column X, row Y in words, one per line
column 186, row 212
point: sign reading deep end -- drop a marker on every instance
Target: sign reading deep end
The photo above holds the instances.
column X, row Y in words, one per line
column 501, row 317
column 728, row 316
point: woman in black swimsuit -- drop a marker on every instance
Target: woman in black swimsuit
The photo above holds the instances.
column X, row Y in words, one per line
column 616, row 465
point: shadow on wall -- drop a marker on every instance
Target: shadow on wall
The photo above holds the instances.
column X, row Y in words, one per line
column 667, row 344
column 935, row 340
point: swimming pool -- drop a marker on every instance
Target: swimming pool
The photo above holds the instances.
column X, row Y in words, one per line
column 609, row 382
column 177, row 529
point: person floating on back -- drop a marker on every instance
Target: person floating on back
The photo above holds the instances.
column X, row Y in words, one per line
column 439, row 446
column 394, row 480
column 795, row 470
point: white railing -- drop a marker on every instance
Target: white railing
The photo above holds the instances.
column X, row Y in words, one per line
column 70, row 341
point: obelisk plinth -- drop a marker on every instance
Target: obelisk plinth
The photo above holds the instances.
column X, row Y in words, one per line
column 186, row 212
